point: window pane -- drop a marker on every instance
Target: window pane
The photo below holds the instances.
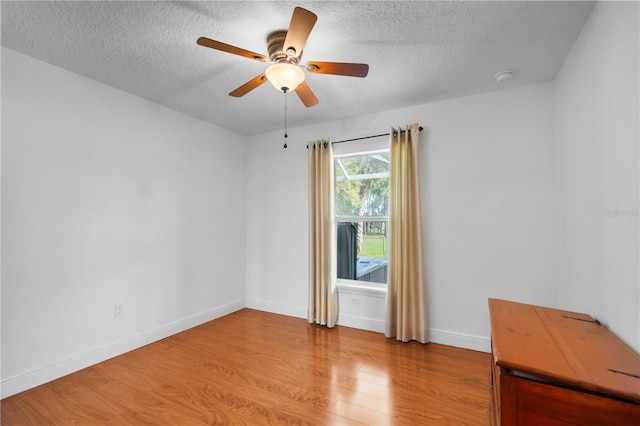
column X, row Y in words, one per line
column 362, row 251
column 362, row 185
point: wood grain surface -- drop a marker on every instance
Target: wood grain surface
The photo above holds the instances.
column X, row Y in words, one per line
column 254, row 367
column 563, row 347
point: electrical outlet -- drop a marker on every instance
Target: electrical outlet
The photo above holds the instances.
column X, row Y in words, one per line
column 119, row 311
column 355, row 300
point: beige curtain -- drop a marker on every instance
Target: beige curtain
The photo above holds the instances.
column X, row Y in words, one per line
column 323, row 297
column 406, row 294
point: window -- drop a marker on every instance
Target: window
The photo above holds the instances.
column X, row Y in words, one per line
column 361, row 204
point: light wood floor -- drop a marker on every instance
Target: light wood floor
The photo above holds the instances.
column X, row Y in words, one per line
column 253, row 367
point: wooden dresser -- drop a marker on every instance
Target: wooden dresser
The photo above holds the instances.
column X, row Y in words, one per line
column 554, row 367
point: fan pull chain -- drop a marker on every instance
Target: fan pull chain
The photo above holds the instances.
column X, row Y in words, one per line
column 285, row 117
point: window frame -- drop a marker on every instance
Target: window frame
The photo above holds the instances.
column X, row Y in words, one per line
column 362, row 286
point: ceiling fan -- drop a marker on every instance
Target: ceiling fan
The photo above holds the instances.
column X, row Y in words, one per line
column 285, row 51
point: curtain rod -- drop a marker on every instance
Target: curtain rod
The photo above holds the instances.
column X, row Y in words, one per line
column 368, row 137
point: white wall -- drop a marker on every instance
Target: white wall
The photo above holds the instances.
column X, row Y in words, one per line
column 489, row 209
column 108, row 198
column 597, row 135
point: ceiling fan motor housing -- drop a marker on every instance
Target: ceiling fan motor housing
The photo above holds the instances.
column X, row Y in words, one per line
column 275, row 47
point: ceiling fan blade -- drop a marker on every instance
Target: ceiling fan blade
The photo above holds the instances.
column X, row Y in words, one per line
column 302, row 21
column 306, row 95
column 218, row 45
column 248, row 86
column 338, row 68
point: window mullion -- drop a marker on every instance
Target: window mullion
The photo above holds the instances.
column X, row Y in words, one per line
column 362, row 218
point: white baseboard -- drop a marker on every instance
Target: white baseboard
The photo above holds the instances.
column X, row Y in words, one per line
column 460, row 340
column 361, row 323
column 277, row 308
column 46, row 374
column 443, row 337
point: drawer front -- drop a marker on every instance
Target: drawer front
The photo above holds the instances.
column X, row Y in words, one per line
column 535, row 403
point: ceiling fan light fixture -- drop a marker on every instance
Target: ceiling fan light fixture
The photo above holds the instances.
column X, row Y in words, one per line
column 285, row 77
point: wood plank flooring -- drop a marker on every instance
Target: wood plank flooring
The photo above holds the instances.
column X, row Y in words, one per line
column 254, row 367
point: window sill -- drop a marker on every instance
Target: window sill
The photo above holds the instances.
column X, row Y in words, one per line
column 358, row 287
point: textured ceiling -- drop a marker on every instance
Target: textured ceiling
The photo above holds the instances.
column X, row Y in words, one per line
column 418, row 51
